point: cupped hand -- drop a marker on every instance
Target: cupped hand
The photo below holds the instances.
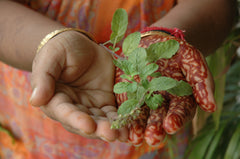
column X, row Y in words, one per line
column 187, row 64
column 72, row 81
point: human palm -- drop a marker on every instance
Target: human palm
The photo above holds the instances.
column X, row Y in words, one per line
column 73, row 79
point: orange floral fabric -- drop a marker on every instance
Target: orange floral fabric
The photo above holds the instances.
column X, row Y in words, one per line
column 37, row 136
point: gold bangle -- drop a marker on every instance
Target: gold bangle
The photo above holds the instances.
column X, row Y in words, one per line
column 56, row 32
column 153, row 32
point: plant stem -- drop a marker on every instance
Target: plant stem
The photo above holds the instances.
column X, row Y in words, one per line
column 106, row 42
column 121, row 121
column 141, row 100
column 113, row 53
column 115, row 42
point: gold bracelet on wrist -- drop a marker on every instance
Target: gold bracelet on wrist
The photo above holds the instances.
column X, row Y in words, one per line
column 149, row 33
column 154, row 30
column 56, row 32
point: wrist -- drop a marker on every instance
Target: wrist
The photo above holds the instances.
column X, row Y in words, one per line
column 57, row 32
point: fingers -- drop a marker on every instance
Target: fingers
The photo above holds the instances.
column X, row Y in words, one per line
column 79, row 119
column 154, row 133
column 136, row 133
column 168, row 118
column 181, row 110
column 137, row 128
column 198, row 75
column 104, row 130
column 61, row 109
column 111, row 113
column 47, row 67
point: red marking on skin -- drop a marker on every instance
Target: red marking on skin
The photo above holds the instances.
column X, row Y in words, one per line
column 137, row 78
column 188, row 65
column 181, row 110
column 136, row 130
column 196, row 69
column 201, row 95
column 154, row 133
column 136, row 134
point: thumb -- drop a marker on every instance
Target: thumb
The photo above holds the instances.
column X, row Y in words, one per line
column 46, row 69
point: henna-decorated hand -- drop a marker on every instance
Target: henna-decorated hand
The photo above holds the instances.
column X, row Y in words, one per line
column 187, row 64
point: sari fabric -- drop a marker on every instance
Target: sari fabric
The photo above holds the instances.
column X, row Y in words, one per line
column 35, row 136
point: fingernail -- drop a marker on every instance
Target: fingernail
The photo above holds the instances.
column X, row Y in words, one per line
column 104, row 139
column 137, row 145
column 107, row 140
column 33, row 96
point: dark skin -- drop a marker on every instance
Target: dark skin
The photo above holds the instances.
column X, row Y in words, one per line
column 65, row 77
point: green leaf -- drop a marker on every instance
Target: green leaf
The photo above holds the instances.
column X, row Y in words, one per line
column 148, row 70
column 127, row 106
column 181, row 89
column 122, row 87
column 233, row 144
column 124, row 65
column 116, row 38
column 133, row 70
column 138, row 55
column 140, row 93
column 124, row 76
column 214, row 143
column 148, row 95
column 131, row 95
column 138, row 59
column 119, row 25
column 156, row 74
column 237, row 153
column 132, row 87
column 200, row 144
column 217, row 63
column 115, row 49
column 131, row 42
column 154, row 101
column 162, row 50
column 118, row 63
column 162, row 84
column 145, row 83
